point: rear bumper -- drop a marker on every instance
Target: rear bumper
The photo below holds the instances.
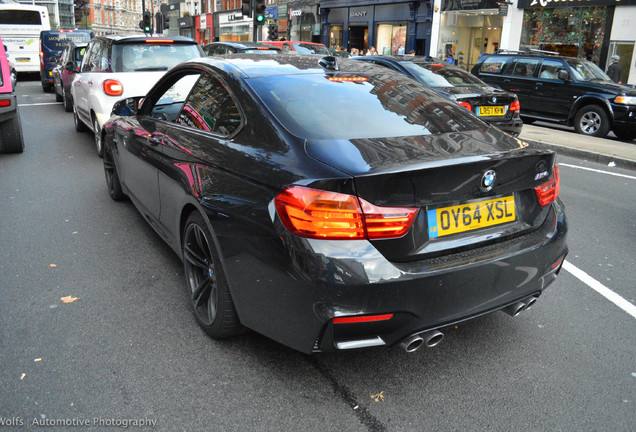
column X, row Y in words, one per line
column 512, row 126
column 311, row 282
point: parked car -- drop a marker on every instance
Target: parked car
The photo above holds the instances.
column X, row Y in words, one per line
column 120, row 66
column 497, row 107
column 64, row 72
column 565, row 90
column 300, row 47
column 378, row 217
column 220, row 48
column 11, row 140
column 52, row 42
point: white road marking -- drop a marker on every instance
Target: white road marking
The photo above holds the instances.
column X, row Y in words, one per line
column 598, row 171
column 42, row 103
column 600, row 288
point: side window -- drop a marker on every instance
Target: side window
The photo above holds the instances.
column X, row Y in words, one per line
column 87, row 64
column 169, row 104
column 103, row 58
column 210, row 107
column 525, row 67
column 493, row 64
column 550, row 69
column 287, row 47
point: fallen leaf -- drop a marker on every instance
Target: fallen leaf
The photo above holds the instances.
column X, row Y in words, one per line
column 68, row 299
column 23, row 375
column 37, row 360
column 52, row 265
column 378, row 397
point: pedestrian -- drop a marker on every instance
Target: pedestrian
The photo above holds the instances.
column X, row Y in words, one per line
column 372, row 51
column 450, row 59
column 400, row 50
column 614, row 70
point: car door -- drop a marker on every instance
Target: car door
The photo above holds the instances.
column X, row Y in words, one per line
column 209, row 117
column 553, row 96
column 84, row 81
column 520, row 78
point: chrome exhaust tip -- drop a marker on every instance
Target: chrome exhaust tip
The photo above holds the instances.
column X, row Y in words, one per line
column 530, row 301
column 412, row 343
column 514, row 309
column 433, row 338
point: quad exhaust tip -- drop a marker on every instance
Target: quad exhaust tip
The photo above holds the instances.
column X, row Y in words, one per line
column 518, row 307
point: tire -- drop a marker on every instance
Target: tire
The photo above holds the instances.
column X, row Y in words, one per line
column 47, row 87
column 68, row 103
column 99, row 146
column 592, row 120
column 79, row 125
column 205, row 279
column 625, row 134
column 58, row 97
column 112, row 178
column 11, row 140
column 527, row 120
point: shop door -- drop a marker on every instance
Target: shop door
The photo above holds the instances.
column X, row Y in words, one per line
column 358, row 37
column 625, row 51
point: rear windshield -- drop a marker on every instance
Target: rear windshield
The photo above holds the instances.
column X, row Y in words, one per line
column 388, row 105
column 493, row 64
column 20, row 17
column 260, row 51
column 142, row 56
column 304, row 48
column 78, row 54
column 55, row 41
column 439, row 75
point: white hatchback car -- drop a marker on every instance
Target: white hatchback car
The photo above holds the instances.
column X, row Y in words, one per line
column 116, row 67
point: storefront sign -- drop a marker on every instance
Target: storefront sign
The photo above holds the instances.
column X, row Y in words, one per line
column 295, row 12
column 538, row 4
column 234, row 17
column 186, row 21
column 271, row 13
column 503, row 9
column 204, row 20
column 449, row 5
column 359, row 14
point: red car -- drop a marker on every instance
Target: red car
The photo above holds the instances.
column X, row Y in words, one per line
column 10, row 128
column 300, row 47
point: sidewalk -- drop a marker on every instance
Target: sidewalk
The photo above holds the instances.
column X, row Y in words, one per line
column 566, row 142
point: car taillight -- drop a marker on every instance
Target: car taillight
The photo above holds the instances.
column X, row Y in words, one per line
column 5, row 103
column 41, row 59
column 515, row 106
column 549, row 191
column 466, row 105
column 113, row 87
column 362, row 319
column 321, row 214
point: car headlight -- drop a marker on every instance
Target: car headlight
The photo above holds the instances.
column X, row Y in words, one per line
column 627, row 100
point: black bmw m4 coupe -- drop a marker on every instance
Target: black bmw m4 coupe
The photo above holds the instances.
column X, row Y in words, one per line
column 330, row 204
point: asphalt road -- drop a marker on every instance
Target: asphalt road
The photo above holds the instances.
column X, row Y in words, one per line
column 129, row 349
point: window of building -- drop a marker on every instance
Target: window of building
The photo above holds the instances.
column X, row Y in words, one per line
column 391, row 39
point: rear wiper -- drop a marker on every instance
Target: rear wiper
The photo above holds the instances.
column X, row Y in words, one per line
column 152, row 68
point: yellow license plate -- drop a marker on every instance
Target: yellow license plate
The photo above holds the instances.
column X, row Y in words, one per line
column 23, row 60
column 491, row 111
column 470, row 216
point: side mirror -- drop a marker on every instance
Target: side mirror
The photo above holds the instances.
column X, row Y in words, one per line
column 71, row 67
column 563, row 75
column 127, row 107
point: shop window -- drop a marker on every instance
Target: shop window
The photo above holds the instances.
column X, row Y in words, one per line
column 335, row 36
column 625, row 51
column 391, row 39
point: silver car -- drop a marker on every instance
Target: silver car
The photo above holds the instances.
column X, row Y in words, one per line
column 116, row 67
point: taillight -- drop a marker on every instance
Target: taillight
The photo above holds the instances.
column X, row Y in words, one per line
column 362, row 319
column 5, row 103
column 466, row 105
column 113, row 87
column 321, row 214
column 515, row 106
column 548, row 191
column 41, row 59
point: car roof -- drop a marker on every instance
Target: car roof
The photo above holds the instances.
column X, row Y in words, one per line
column 142, row 38
column 243, row 44
column 405, row 58
column 293, row 42
column 531, row 53
column 260, row 65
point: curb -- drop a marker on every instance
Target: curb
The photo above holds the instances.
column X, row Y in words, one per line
column 601, row 158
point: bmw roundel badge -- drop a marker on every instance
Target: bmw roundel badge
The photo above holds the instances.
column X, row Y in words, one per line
column 488, row 180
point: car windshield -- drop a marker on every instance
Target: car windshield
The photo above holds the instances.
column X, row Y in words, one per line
column 304, row 48
column 584, row 70
column 439, row 75
column 131, row 57
column 314, row 106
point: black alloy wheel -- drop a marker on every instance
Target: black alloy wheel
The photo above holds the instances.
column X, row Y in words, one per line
column 208, row 289
column 112, row 178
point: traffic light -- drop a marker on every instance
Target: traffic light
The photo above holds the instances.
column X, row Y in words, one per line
column 246, row 8
column 146, row 23
column 259, row 12
column 272, row 32
column 159, row 22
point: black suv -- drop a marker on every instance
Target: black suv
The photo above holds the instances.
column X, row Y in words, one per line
column 563, row 90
